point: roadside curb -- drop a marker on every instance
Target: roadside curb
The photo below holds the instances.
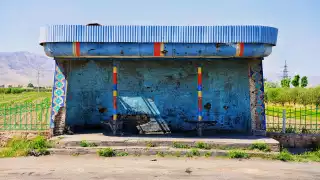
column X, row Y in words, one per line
column 152, row 151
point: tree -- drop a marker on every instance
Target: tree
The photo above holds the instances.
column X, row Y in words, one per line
column 30, row 85
column 296, row 81
column 304, row 81
column 282, row 97
column 316, row 96
column 285, row 83
column 293, row 95
column 304, row 97
column 268, row 84
column 271, row 95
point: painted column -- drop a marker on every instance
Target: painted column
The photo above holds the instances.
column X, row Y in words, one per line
column 258, row 121
column 115, row 94
column 57, row 120
column 200, row 100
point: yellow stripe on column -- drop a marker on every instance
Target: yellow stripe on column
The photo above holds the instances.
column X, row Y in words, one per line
column 74, row 49
column 114, row 69
column 161, row 49
column 238, row 49
column 199, row 93
column 115, row 93
column 199, row 70
column 114, row 117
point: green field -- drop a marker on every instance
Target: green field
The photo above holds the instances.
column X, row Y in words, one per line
column 297, row 118
column 25, row 97
column 25, row 111
column 304, row 113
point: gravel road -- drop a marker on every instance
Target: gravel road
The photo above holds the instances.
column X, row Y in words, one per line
column 129, row 168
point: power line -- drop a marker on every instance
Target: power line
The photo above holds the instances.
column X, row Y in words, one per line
column 38, row 70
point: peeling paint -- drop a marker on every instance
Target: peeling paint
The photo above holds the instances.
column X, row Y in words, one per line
column 256, row 85
column 163, row 90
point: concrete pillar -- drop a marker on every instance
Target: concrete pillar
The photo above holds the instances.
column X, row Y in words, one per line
column 59, row 91
column 257, row 107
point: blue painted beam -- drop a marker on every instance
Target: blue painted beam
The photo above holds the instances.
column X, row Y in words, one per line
column 170, row 50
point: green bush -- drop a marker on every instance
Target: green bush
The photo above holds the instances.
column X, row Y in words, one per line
column 24, row 147
column 180, row 145
column 208, row 154
column 202, row 145
column 285, row 155
column 238, row 154
column 12, row 90
column 298, row 95
column 121, row 154
column 85, row 143
column 261, row 146
column 193, row 152
column 106, row 152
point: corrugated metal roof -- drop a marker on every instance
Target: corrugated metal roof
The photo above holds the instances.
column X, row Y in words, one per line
column 168, row 34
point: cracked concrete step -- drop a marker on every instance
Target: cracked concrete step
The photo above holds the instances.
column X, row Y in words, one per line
column 136, row 150
column 218, row 143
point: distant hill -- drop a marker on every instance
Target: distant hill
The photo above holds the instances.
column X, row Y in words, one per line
column 19, row 68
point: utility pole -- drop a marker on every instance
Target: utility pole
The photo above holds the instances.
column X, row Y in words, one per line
column 38, row 80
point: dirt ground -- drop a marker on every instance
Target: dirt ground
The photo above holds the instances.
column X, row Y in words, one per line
column 93, row 167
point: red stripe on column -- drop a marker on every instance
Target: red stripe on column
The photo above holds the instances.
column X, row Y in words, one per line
column 199, row 104
column 241, row 49
column 114, row 102
column 157, row 49
column 114, row 78
column 77, row 48
column 199, row 79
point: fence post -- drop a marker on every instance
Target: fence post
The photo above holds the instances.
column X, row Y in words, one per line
column 283, row 121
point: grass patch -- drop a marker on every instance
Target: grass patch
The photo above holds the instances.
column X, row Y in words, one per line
column 261, row 146
column 121, row 154
column 208, row 154
column 106, row 152
column 177, row 154
column 85, row 143
column 151, row 144
column 202, row 145
column 309, row 156
column 286, row 156
column 161, row 154
column 75, row 154
column 238, row 154
column 193, row 152
column 24, row 147
column 180, row 145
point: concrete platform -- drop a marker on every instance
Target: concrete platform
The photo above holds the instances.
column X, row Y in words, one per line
column 216, row 142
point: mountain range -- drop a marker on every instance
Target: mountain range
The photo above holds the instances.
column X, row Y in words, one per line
column 21, row 68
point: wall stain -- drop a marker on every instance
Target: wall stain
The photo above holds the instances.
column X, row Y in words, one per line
column 163, row 90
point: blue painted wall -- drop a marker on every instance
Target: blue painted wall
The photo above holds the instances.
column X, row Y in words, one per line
column 165, row 90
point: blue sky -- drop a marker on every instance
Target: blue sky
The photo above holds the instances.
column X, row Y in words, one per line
column 298, row 22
